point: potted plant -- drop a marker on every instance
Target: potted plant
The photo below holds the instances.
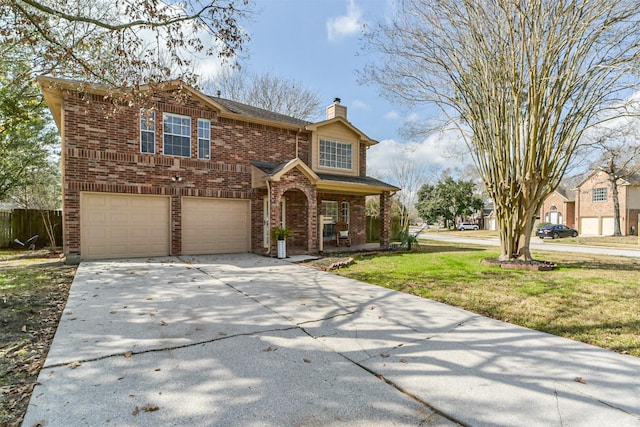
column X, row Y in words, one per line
column 281, row 234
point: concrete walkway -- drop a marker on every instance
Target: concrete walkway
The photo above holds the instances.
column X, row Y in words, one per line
column 244, row 340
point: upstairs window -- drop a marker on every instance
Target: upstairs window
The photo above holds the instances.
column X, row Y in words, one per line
column 147, row 131
column 334, row 154
column 177, row 135
column 599, row 194
column 204, row 139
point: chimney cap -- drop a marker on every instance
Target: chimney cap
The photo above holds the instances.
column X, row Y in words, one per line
column 336, row 100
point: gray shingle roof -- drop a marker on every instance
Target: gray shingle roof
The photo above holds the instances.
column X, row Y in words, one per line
column 364, row 180
column 273, row 168
column 258, row 113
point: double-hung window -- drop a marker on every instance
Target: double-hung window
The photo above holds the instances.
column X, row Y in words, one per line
column 334, row 154
column 147, row 131
column 599, row 194
column 204, row 139
column 177, row 135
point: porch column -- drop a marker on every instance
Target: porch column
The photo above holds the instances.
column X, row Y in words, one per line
column 385, row 220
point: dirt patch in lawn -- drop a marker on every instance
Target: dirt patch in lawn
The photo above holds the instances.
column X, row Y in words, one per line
column 33, row 293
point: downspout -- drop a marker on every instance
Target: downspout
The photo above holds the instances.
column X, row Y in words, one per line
column 268, row 224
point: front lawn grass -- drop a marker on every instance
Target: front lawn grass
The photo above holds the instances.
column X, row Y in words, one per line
column 33, row 293
column 589, row 298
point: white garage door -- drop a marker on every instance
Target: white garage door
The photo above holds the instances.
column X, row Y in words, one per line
column 123, row 226
column 215, row 226
column 589, row 226
column 607, row 226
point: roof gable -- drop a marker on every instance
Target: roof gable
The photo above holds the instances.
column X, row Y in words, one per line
column 342, row 123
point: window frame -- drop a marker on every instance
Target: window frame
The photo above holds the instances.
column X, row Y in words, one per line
column 334, row 155
column 345, row 212
column 599, row 194
column 329, row 229
column 205, row 126
column 184, row 121
column 145, row 129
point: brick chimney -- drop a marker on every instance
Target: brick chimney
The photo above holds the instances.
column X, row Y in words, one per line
column 336, row 110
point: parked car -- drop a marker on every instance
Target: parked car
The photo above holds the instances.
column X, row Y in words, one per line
column 555, row 231
column 467, row 226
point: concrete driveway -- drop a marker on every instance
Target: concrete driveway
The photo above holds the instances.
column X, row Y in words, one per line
column 244, row 340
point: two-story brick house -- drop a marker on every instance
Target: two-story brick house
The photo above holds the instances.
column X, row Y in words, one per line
column 194, row 174
column 594, row 204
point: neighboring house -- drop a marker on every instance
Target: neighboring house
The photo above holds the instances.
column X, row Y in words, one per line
column 594, row 204
column 559, row 208
column 489, row 217
column 205, row 175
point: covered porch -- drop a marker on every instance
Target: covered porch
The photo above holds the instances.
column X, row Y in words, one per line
column 311, row 205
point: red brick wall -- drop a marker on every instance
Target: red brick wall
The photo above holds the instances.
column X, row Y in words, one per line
column 101, row 153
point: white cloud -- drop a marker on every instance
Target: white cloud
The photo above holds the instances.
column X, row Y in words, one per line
column 392, row 115
column 444, row 149
column 360, row 105
column 345, row 25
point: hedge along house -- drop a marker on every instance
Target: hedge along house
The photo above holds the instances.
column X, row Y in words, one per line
column 194, row 174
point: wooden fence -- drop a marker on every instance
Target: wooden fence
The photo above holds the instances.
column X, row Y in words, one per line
column 22, row 224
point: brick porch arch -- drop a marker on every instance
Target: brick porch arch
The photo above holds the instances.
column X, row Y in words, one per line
column 296, row 180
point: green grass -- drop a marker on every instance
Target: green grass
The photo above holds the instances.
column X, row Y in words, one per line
column 589, row 298
column 33, row 292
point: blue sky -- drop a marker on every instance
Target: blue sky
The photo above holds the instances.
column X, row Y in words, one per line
column 318, row 43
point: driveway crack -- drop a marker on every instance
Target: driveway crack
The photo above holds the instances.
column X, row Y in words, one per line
column 168, row 348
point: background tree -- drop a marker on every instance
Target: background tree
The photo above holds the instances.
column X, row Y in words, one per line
column 125, row 43
column 27, row 137
column 448, row 199
column 267, row 91
column 523, row 80
column 407, row 172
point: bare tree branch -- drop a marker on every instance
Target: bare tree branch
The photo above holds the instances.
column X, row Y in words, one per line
column 526, row 77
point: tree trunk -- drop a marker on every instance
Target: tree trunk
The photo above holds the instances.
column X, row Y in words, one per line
column 516, row 226
column 617, row 231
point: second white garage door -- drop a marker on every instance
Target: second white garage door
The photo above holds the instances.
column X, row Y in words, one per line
column 215, row 226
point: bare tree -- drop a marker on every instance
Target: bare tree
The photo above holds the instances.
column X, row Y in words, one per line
column 522, row 78
column 409, row 174
column 124, row 43
column 267, row 91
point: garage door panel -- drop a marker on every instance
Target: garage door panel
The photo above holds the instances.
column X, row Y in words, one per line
column 121, row 225
column 589, row 226
column 607, row 226
column 211, row 226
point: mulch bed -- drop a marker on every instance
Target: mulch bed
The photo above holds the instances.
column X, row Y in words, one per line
column 516, row 264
